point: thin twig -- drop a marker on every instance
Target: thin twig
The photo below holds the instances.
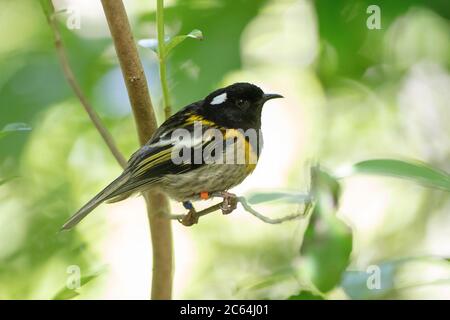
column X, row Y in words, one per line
column 144, row 115
column 198, row 214
column 68, row 74
column 247, row 208
column 162, row 58
column 265, row 219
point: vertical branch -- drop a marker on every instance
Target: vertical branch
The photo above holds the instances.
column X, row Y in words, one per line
column 49, row 12
column 157, row 203
column 162, row 57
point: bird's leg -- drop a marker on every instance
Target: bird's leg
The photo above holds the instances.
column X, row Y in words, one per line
column 227, row 206
column 191, row 217
column 229, row 203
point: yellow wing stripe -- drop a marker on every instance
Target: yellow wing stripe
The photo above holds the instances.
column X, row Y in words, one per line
column 251, row 156
column 153, row 160
column 196, row 118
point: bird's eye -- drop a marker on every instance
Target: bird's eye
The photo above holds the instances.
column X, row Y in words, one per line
column 242, row 103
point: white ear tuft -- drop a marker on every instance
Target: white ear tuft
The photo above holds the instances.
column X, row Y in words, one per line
column 221, row 98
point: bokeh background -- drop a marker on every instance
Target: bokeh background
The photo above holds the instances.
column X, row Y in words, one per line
column 352, row 93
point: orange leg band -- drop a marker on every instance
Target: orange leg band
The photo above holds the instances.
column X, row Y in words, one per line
column 204, row 195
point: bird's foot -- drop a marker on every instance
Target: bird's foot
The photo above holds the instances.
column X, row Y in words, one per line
column 191, row 217
column 229, row 203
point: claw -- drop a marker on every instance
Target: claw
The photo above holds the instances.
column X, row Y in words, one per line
column 190, row 218
column 229, row 203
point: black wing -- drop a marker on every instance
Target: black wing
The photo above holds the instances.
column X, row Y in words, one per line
column 155, row 159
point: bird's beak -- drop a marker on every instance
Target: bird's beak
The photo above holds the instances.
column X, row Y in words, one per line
column 269, row 96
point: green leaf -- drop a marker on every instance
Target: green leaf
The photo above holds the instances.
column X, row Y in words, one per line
column 152, row 43
column 289, row 197
column 175, row 41
column 421, row 173
column 3, row 181
column 326, row 250
column 306, row 295
column 267, row 281
column 14, row 127
column 88, row 278
column 327, row 242
column 66, row 293
column 325, row 187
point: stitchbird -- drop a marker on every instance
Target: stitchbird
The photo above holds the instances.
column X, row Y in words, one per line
column 195, row 152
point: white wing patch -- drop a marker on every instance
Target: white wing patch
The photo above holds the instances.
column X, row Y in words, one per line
column 162, row 143
column 187, row 140
column 190, row 142
column 221, row 98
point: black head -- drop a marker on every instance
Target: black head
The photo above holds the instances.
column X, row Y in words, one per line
column 236, row 106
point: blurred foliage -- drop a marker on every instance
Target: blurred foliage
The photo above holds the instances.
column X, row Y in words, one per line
column 13, row 127
column 366, row 94
column 327, row 241
column 419, row 172
column 348, row 50
column 171, row 43
column 355, row 285
column 392, row 278
column 68, row 293
column 218, row 55
column 288, row 197
column 305, row 295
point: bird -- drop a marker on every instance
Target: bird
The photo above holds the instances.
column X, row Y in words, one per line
column 203, row 150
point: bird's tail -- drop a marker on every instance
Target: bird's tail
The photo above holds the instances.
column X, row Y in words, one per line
column 102, row 196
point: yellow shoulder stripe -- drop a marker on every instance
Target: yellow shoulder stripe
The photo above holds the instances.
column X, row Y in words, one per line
column 197, row 118
column 251, row 157
column 153, row 160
